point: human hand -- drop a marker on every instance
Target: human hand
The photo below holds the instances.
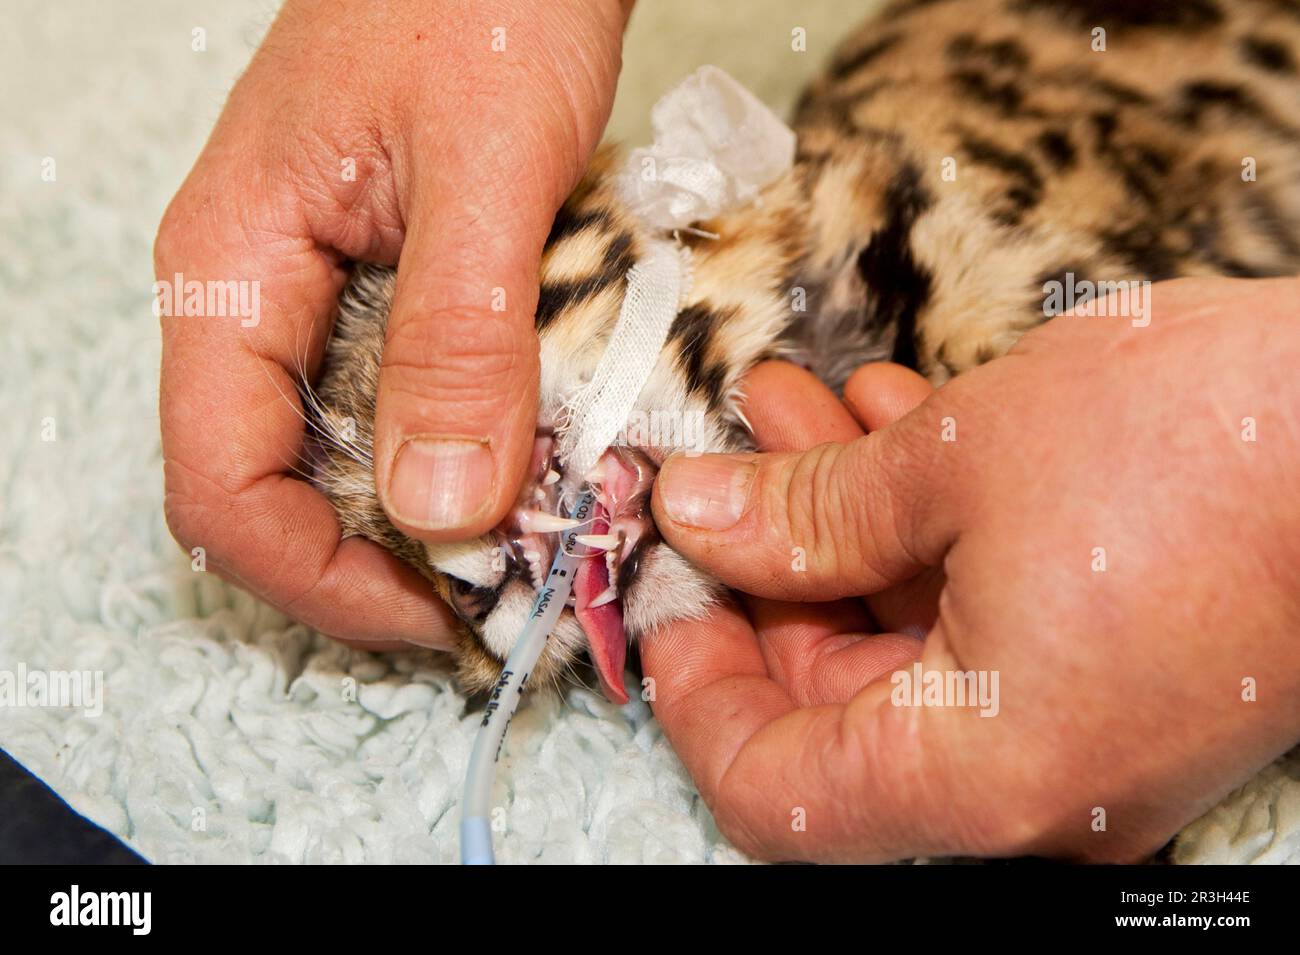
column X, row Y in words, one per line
column 445, row 132
column 1113, row 532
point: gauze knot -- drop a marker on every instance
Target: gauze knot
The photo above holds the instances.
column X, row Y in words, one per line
column 715, row 147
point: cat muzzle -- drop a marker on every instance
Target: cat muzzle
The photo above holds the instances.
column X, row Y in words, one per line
column 610, row 544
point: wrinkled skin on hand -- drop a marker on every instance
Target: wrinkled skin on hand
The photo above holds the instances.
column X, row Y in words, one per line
column 1128, row 689
column 409, row 129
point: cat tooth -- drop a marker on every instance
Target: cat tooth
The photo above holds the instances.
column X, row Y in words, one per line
column 608, row 595
column 539, row 495
column 552, row 476
column 597, row 473
column 539, row 522
column 598, row 541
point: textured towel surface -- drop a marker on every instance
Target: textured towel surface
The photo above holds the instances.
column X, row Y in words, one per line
column 228, row 733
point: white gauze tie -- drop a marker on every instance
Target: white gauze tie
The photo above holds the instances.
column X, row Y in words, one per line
column 715, row 147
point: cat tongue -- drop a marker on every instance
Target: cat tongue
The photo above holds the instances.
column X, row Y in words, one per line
column 603, row 625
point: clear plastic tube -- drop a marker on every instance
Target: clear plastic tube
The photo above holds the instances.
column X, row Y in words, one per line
column 475, row 825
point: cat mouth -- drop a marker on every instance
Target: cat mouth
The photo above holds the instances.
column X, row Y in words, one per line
column 610, row 544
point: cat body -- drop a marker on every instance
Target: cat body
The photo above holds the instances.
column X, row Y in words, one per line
column 965, row 169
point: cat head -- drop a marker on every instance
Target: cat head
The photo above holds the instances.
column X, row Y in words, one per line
column 629, row 582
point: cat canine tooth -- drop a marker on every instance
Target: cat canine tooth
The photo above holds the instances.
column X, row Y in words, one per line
column 539, row 522
column 551, row 477
column 598, row 541
column 608, row 595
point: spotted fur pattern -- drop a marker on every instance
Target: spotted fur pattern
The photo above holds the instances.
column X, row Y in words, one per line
column 955, row 157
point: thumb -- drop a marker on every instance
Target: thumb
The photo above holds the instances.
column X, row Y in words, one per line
column 835, row 521
column 457, row 395
column 493, row 147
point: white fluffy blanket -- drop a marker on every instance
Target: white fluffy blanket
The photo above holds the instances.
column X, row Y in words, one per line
column 229, row 734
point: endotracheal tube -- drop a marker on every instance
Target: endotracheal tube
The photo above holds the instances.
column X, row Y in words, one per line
column 475, row 826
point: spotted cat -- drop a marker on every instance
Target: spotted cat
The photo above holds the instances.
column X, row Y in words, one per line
column 956, row 158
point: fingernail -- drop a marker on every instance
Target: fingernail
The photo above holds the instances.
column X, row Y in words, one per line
column 708, row 492
column 440, row 483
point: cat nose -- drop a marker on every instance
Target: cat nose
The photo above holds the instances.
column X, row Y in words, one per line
column 472, row 603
